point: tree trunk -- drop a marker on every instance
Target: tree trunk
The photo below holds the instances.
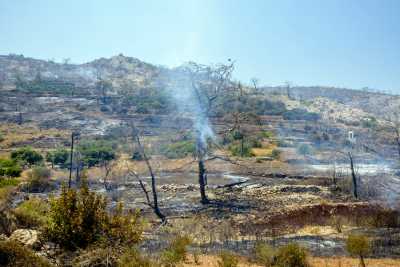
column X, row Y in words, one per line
column 153, row 183
column 362, row 262
column 353, row 176
column 202, row 184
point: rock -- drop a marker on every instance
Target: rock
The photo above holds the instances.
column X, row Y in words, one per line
column 3, row 237
column 26, row 237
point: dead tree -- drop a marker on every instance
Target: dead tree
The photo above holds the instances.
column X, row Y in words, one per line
column 353, row 175
column 208, row 83
column 154, row 205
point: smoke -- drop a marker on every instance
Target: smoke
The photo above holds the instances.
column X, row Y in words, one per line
column 188, row 104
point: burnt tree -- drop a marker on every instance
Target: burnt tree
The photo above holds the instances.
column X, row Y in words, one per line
column 208, row 83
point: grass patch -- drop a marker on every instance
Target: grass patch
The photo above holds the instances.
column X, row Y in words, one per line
column 4, row 182
column 32, row 213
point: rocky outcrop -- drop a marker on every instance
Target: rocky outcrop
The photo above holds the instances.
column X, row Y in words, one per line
column 26, row 237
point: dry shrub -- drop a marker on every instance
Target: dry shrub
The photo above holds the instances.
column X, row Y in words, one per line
column 38, row 179
column 292, row 255
column 227, row 259
column 132, row 258
column 12, row 254
column 176, row 251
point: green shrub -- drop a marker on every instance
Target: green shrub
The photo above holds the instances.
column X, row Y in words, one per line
column 32, row 213
column 9, row 168
column 26, row 156
column 358, row 245
column 58, row 157
column 176, row 252
column 97, row 151
column 1, row 137
column 14, row 255
column 238, row 150
column 38, row 179
column 4, row 182
column 292, row 255
column 264, row 254
column 178, row 150
column 227, row 259
column 300, row 114
column 78, row 218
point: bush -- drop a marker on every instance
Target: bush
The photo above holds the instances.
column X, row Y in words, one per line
column 292, row 255
column 238, row 150
column 176, row 252
column 26, row 156
column 32, row 213
column 227, row 259
column 78, row 218
column 264, row 254
column 96, row 151
column 358, row 245
column 12, row 254
column 4, row 182
column 178, row 150
column 132, row 258
column 58, row 157
column 38, row 179
column 9, row 168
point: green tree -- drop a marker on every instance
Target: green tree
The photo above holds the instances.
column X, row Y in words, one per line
column 9, row 168
column 58, row 157
column 358, row 245
column 27, row 156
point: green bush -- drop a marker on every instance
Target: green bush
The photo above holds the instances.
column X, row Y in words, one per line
column 1, row 137
column 78, row 218
column 97, row 151
column 238, row 150
column 176, row 252
column 264, row 254
column 304, row 149
column 32, row 213
column 227, row 259
column 26, row 156
column 4, row 182
column 292, row 255
column 38, row 179
column 58, row 157
column 9, row 168
column 178, row 150
column 358, row 245
column 300, row 114
column 14, row 255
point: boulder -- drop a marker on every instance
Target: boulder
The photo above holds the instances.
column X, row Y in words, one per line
column 26, row 237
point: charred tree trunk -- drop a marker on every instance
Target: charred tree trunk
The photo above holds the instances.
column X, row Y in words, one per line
column 362, row 262
column 202, row 182
column 71, row 159
column 156, row 208
column 398, row 140
column 353, row 176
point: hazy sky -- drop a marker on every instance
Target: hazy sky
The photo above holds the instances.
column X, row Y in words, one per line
column 349, row 43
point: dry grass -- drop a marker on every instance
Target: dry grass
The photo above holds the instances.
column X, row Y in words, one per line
column 15, row 134
column 211, row 261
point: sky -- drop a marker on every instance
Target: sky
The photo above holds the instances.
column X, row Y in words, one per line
column 342, row 43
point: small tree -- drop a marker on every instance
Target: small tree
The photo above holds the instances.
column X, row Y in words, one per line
column 9, row 168
column 58, row 157
column 27, row 156
column 358, row 245
column 292, row 255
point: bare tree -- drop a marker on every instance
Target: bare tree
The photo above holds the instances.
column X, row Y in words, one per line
column 208, row 84
column 154, row 205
